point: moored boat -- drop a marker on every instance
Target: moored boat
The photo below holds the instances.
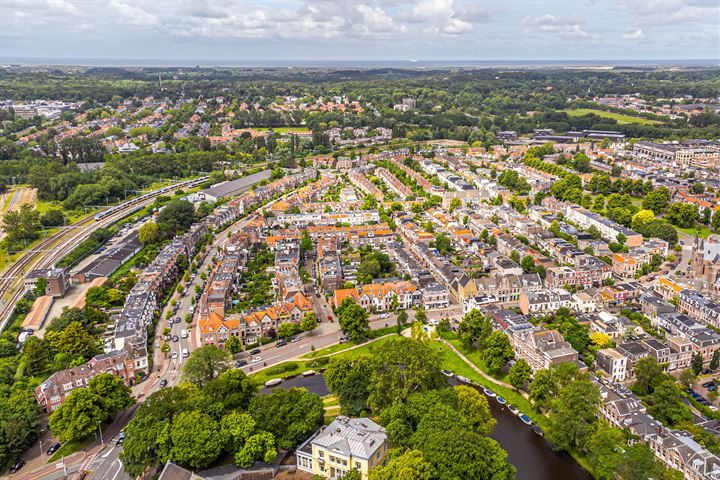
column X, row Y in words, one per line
column 489, row 392
column 513, row 409
column 526, row 420
column 462, row 379
column 308, row 373
column 538, row 430
column 273, row 382
column 501, row 400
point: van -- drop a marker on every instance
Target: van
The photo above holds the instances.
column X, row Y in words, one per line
column 183, row 333
column 185, row 353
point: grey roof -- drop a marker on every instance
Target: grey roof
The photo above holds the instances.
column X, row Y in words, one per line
column 357, row 437
column 233, row 187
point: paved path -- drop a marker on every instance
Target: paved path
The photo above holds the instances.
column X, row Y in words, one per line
column 485, row 375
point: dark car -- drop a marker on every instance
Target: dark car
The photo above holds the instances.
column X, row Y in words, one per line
column 254, row 351
column 16, row 468
column 240, row 363
column 53, row 449
column 163, row 383
column 119, row 442
column 175, row 338
column 281, row 343
column 177, row 319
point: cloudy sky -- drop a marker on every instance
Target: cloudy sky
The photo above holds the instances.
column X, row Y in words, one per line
column 361, row 29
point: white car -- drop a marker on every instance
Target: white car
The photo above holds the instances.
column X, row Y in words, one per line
column 174, row 355
column 256, row 359
column 385, row 315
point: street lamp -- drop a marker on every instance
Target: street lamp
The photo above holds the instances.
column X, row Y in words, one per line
column 42, row 454
column 101, row 437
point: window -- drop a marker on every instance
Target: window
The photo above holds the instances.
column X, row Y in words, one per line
column 321, row 454
column 357, row 466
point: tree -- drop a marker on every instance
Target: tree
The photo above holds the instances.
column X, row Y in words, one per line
column 148, row 233
column 353, row 319
column 641, row 218
column 205, row 363
column 53, row 218
column 73, row 340
column 687, row 377
column 306, row 244
column 309, row 322
column 289, row 414
column 113, row 395
column 36, row 356
column 520, row 374
column 41, row 287
column 411, row 465
column 165, row 348
column 497, row 352
column 232, row 390
column 421, row 315
column 78, row 416
column 667, row 406
column 639, row 463
column 657, row 201
column 442, row 243
column 21, row 225
column 604, row 448
column 528, row 264
column 541, row 388
column 195, row 437
column 260, row 446
column 405, row 366
column 715, row 360
column 474, row 407
column 697, row 363
column 233, row 344
column 683, row 215
column 178, row 215
column 573, row 414
column 474, row 329
column 648, row 374
column 237, row 427
column 401, row 320
column 287, row 330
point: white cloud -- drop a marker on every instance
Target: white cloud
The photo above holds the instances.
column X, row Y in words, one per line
column 633, row 35
column 62, row 5
column 567, row 27
column 439, row 16
column 134, row 15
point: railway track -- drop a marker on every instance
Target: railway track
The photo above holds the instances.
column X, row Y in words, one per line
column 53, row 248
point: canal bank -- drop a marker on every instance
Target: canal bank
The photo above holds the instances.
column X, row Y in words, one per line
column 531, row 454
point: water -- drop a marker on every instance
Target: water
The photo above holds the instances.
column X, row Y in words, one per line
column 531, row 454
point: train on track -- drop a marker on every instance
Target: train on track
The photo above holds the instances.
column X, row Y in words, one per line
column 134, row 201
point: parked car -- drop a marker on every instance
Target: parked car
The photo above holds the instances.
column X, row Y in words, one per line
column 240, row 363
column 254, row 351
column 177, row 319
column 53, row 449
column 384, row 315
column 175, row 338
column 18, row 465
column 174, row 355
column 163, row 383
column 281, row 343
column 295, row 339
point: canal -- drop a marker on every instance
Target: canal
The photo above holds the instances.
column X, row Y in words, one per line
column 531, row 454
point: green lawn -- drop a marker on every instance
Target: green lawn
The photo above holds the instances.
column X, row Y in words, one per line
column 704, row 233
column 71, row 447
column 282, row 129
column 621, row 119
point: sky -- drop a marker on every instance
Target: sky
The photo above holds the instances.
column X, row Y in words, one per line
column 362, row 30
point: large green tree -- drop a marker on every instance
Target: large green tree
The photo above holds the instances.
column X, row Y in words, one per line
column 289, row 414
column 498, row 351
column 520, row 373
column 205, row 364
column 605, row 450
column 573, row 414
column 196, row 439
column 411, row 465
column 474, row 329
column 353, row 319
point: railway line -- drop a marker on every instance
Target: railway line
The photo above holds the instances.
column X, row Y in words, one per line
column 54, row 247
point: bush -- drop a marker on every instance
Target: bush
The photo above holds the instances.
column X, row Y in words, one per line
column 319, row 362
column 282, row 368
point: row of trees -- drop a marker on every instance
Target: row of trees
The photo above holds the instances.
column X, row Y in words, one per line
column 216, row 412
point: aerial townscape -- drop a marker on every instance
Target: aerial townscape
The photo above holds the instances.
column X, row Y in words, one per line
column 277, row 267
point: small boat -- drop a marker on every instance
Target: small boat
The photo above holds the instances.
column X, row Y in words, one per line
column 526, row 420
column 448, row 373
column 489, row 392
column 273, row 382
column 513, row 409
column 538, row 430
column 501, row 400
column 463, row 379
column 308, row 373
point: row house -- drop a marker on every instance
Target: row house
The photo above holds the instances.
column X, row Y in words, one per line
column 397, row 187
column 627, row 265
column 329, row 267
column 125, row 363
column 697, row 306
column 366, row 186
column 453, row 278
column 590, row 275
column 435, row 296
column 544, row 301
column 607, row 228
column 380, row 297
column 507, row 288
column 358, row 217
